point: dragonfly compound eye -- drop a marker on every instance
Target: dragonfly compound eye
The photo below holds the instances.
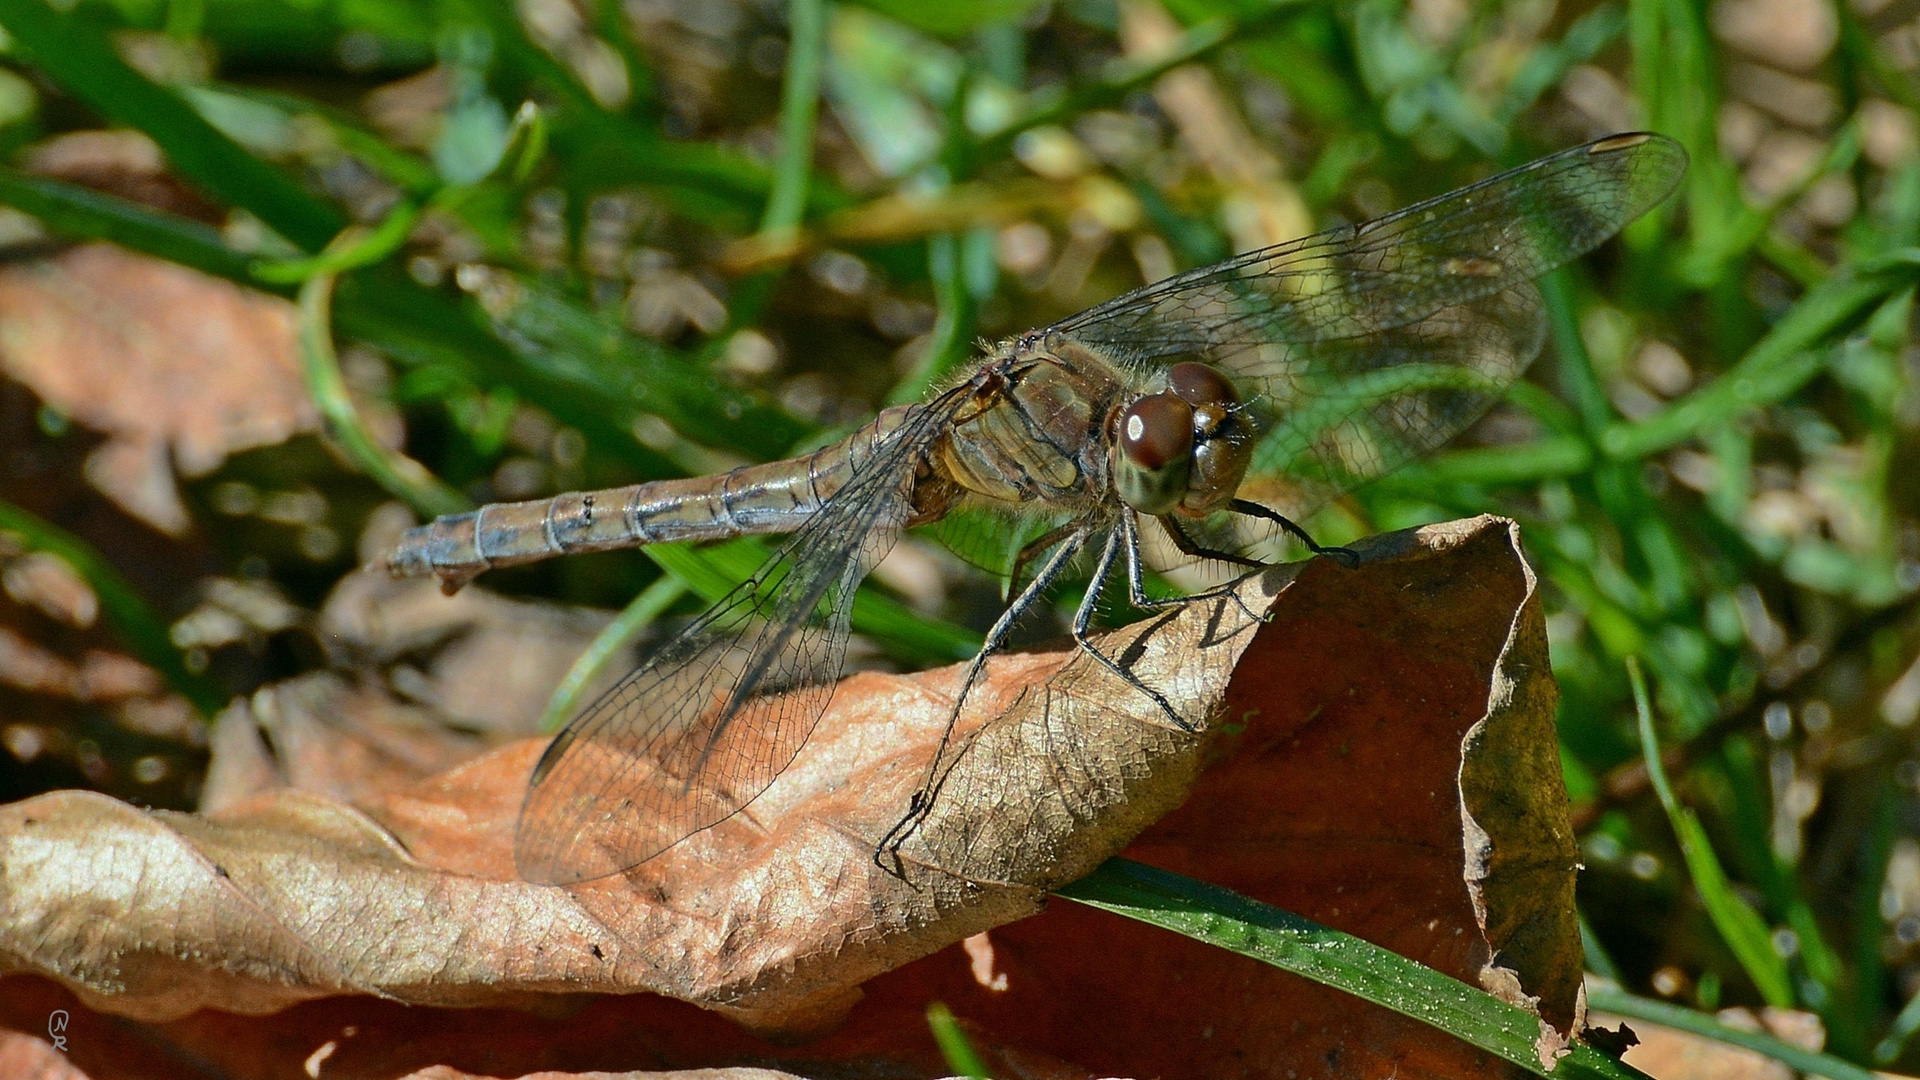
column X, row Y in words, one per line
column 1201, row 386
column 1222, row 433
column 1153, row 453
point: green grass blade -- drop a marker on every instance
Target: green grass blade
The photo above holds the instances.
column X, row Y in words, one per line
column 1577, row 378
column 954, row 1044
column 793, row 164
column 1524, row 463
column 1221, row 917
column 1748, row 225
column 1546, row 66
column 951, row 260
column 1774, row 368
column 370, row 247
column 402, row 477
column 1739, row 924
column 648, row 606
column 799, row 109
column 75, row 55
column 82, row 212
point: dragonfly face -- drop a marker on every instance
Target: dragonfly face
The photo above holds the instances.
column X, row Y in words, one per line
column 1185, row 449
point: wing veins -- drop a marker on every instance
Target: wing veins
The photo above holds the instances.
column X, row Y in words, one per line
column 562, row 833
column 1632, row 184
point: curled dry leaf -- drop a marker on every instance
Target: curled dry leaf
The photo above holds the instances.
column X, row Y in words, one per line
column 1393, row 781
column 1383, row 746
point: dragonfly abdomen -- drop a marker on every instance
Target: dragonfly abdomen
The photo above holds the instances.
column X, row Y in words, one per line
column 775, row 497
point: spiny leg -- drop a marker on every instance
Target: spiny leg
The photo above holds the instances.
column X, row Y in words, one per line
column 1346, row 557
column 1188, row 546
column 1136, row 575
column 1031, row 550
column 922, row 803
column 1083, row 617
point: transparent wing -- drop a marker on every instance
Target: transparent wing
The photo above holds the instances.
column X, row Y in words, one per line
column 1361, row 347
column 706, row 723
column 1398, row 395
column 1405, row 392
column 990, row 538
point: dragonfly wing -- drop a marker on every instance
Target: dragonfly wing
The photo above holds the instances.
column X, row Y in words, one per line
column 1439, row 290
column 1364, row 407
column 706, row 723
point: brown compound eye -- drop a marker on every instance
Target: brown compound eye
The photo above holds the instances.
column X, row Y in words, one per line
column 1223, row 443
column 1201, row 386
column 1153, row 453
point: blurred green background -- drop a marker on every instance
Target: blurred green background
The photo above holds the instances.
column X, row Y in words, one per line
column 611, row 240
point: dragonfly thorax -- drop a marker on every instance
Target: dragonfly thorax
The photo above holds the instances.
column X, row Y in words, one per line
column 1184, row 449
column 1031, row 428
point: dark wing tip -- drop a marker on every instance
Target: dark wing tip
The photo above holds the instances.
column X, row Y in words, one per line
column 1626, row 140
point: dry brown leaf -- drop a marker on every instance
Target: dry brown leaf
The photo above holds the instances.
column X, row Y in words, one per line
column 1666, row 1053
column 776, row 915
column 1369, row 700
column 322, row 735
column 490, row 663
column 171, row 364
column 124, row 163
column 1372, row 699
column 46, row 581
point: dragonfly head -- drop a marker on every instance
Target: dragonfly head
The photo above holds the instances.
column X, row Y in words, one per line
column 1185, row 448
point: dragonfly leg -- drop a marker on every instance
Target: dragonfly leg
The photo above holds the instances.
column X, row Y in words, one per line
column 1032, row 550
column 1083, row 617
column 1188, row 546
column 996, row 639
column 1346, row 557
column 1136, row 577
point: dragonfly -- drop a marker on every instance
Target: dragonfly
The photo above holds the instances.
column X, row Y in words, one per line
column 1234, row 394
